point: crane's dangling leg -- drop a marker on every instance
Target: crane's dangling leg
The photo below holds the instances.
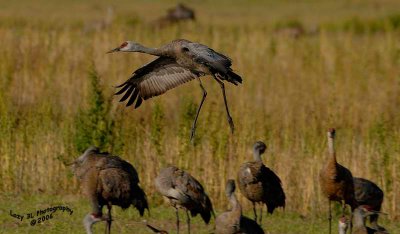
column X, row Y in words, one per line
column 255, row 212
column 198, row 109
column 330, row 217
column 177, row 220
column 261, row 214
column 108, row 229
column 230, row 121
column 188, row 221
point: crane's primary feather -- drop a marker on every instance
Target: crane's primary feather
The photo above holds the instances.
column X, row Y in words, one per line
column 153, row 79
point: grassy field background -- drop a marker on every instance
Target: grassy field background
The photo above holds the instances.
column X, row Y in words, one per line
column 56, row 98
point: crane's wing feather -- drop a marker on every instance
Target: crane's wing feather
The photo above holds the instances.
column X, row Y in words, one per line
column 205, row 55
column 218, row 63
column 250, row 172
column 153, row 79
column 272, row 185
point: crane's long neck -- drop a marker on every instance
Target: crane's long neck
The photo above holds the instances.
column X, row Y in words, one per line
column 331, row 148
column 147, row 50
column 359, row 220
column 342, row 229
column 233, row 201
column 257, row 155
column 236, row 207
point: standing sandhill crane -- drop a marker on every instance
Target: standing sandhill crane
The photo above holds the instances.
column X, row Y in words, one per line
column 178, row 62
column 108, row 180
column 336, row 180
column 232, row 221
column 370, row 196
column 184, row 191
column 258, row 183
column 343, row 224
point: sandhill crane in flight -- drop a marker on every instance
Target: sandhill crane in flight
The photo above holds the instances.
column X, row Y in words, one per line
column 108, row 180
column 184, row 191
column 178, row 62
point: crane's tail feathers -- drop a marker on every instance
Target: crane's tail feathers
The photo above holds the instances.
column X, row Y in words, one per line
column 234, row 78
column 131, row 91
column 206, row 216
column 140, row 201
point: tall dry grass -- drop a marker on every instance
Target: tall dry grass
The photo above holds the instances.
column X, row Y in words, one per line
column 57, row 83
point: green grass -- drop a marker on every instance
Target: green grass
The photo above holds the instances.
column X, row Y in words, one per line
column 129, row 221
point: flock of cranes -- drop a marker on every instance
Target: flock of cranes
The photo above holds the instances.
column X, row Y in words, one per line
column 108, row 180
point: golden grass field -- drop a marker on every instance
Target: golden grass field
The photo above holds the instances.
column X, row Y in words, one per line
column 57, row 85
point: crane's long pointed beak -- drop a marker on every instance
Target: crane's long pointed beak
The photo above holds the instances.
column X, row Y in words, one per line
column 113, row 50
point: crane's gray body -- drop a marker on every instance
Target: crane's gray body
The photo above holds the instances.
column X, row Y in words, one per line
column 260, row 184
column 183, row 191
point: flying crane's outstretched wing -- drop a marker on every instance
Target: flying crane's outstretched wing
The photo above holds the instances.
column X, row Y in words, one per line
column 153, row 79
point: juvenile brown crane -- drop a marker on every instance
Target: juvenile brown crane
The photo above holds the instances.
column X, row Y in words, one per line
column 260, row 184
column 232, row 221
column 336, row 181
column 178, row 62
column 370, row 196
column 183, row 191
column 108, row 180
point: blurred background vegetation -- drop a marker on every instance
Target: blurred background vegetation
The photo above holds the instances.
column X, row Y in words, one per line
column 307, row 66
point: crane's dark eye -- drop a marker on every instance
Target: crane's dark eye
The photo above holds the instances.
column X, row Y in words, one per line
column 185, row 49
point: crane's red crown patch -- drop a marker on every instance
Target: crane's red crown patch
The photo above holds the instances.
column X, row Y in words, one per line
column 123, row 45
